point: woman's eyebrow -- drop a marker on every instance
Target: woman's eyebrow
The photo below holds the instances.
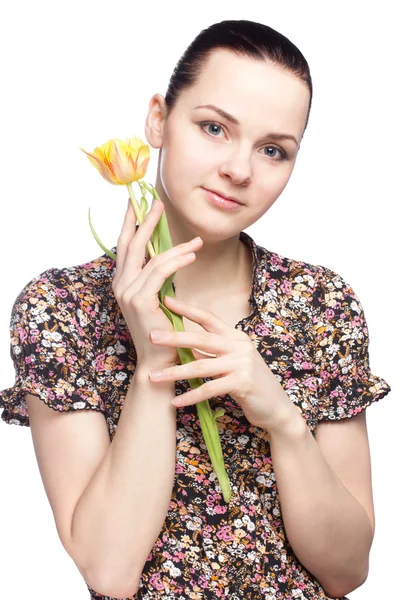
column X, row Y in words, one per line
column 232, row 119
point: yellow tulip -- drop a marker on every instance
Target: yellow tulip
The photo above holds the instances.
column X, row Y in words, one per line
column 121, row 162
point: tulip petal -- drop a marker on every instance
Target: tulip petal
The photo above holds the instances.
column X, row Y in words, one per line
column 121, row 163
column 142, row 160
column 143, row 168
column 126, row 161
column 100, row 166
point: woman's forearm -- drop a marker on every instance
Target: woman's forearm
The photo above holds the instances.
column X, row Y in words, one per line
column 121, row 512
column 328, row 529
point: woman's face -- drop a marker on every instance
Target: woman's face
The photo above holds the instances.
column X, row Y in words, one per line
column 202, row 149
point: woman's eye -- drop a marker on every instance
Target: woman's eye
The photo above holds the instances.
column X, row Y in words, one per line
column 282, row 153
column 210, row 123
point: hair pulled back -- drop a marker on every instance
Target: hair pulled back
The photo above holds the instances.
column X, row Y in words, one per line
column 247, row 38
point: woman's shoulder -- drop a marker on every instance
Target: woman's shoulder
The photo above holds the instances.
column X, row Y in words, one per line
column 77, row 282
column 93, row 275
column 73, row 298
column 272, row 266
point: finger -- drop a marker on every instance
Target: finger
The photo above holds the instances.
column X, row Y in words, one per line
column 134, row 269
column 209, row 342
column 196, row 368
column 153, row 276
column 206, row 318
column 127, row 232
column 137, row 245
column 208, row 390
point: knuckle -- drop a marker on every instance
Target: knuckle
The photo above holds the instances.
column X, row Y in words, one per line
column 130, row 244
column 250, row 348
column 248, row 369
column 248, row 344
column 206, row 316
column 127, row 299
column 124, row 298
column 246, row 386
column 135, row 300
column 160, row 268
column 156, row 260
column 247, row 363
column 123, row 242
column 167, row 268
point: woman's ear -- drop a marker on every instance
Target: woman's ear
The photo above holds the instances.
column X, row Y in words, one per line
column 155, row 121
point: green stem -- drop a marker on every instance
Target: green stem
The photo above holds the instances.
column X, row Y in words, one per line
column 139, row 217
column 207, row 418
column 211, row 436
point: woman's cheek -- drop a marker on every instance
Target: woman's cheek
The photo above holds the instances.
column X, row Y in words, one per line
column 174, row 173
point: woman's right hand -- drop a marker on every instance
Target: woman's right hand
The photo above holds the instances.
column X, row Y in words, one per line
column 136, row 287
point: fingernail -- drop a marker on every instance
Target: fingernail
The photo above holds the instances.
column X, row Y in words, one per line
column 156, row 336
column 155, row 374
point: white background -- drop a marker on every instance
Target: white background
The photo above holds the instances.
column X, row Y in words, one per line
column 78, row 73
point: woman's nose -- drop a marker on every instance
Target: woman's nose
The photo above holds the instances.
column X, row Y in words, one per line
column 237, row 168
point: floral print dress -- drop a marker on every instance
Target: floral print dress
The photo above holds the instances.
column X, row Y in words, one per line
column 72, row 349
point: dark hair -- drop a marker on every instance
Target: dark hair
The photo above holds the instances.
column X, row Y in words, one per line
column 246, row 38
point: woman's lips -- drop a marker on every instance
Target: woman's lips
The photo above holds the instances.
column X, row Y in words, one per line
column 232, row 198
column 220, row 201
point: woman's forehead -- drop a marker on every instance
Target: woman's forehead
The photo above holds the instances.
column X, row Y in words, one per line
column 243, row 86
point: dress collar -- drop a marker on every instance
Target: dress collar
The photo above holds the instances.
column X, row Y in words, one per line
column 255, row 298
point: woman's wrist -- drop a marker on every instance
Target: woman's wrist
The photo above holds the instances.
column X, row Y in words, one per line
column 142, row 374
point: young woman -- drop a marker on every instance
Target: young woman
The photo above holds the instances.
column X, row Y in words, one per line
column 282, row 346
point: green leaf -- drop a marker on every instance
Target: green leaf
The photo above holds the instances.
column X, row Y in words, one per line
column 102, row 246
column 218, row 413
column 143, row 206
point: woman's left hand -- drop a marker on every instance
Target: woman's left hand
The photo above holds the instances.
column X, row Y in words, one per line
column 238, row 369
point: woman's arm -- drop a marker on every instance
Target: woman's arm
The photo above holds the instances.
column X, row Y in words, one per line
column 121, row 512
column 327, row 527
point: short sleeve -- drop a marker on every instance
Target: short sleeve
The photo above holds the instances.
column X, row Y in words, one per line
column 52, row 351
column 346, row 384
